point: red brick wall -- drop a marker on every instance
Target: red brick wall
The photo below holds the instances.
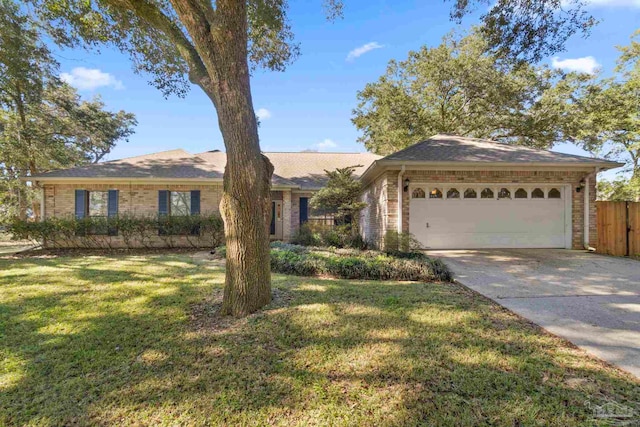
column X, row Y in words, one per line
column 507, row 177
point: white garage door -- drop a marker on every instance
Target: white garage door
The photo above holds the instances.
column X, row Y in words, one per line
column 490, row 216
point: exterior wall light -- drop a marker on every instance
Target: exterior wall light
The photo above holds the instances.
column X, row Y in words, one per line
column 406, row 184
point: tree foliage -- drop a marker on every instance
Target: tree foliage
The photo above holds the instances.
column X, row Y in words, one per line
column 527, row 30
column 619, row 190
column 44, row 124
column 459, row 88
column 606, row 121
column 341, row 196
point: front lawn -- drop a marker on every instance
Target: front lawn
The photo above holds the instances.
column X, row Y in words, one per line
column 133, row 340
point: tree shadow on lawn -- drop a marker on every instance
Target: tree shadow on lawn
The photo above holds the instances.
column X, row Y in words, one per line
column 325, row 352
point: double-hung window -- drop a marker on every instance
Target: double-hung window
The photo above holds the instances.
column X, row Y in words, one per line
column 99, row 206
column 174, row 207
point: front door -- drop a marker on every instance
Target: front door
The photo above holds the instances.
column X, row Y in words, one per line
column 276, row 219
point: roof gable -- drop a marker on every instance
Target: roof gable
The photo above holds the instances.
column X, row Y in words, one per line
column 451, row 148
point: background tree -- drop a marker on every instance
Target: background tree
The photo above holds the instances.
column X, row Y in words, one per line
column 607, row 120
column 211, row 44
column 341, row 197
column 44, row 124
column 460, row 88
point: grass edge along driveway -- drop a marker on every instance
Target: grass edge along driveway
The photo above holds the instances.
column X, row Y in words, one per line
column 134, row 340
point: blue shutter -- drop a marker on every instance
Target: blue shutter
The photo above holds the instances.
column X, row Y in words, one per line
column 163, row 211
column 195, row 202
column 304, row 210
column 195, row 210
column 112, row 205
column 112, row 212
column 81, row 204
column 163, row 202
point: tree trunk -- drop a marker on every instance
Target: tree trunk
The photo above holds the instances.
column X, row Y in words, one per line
column 246, row 198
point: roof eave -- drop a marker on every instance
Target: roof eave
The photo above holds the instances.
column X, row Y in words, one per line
column 382, row 163
column 139, row 180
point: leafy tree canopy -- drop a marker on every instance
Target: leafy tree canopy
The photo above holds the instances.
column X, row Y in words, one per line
column 341, row 195
column 44, row 124
column 607, row 114
column 459, row 88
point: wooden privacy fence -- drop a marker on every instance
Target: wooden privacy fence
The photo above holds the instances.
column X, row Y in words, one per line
column 618, row 228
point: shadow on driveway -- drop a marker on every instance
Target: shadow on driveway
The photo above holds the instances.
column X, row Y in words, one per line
column 591, row 300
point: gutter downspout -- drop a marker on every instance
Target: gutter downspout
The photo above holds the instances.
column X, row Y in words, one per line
column 400, row 195
column 587, row 209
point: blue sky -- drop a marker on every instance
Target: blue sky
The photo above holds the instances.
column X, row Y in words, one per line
column 309, row 105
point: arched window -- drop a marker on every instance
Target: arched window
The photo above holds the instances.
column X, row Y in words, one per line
column 487, row 193
column 504, row 193
column 453, row 193
column 435, row 193
column 554, row 193
column 470, row 193
column 418, row 193
column 520, row 193
column 537, row 194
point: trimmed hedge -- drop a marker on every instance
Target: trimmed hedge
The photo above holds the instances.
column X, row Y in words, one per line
column 122, row 231
column 354, row 264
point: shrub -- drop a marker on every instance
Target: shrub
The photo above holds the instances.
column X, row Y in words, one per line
column 306, row 236
column 340, row 236
column 124, row 231
column 353, row 264
column 395, row 242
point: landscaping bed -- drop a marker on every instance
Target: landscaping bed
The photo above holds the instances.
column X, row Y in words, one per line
column 356, row 264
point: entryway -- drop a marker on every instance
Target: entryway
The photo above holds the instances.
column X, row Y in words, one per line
column 276, row 220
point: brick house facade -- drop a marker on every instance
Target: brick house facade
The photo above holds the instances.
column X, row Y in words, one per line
column 439, row 165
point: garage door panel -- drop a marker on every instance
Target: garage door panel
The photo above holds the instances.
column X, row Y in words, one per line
column 477, row 223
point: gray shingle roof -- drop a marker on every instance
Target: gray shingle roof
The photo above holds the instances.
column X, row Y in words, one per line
column 304, row 170
column 451, row 148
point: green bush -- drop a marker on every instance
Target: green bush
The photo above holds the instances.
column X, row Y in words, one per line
column 399, row 243
column 132, row 231
column 339, row 236
column 306, row 236
column 354, row 264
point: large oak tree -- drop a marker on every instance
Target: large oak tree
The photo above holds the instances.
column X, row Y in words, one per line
column 460, row 87
column 212, row 44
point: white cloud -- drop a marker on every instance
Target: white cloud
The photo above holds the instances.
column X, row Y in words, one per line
column 263, row 114
column 359, row 51
column 587, row 64
column 613, row 3
column 326, row 144
column 90, row 79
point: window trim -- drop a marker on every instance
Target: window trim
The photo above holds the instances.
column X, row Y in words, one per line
column 494, row 187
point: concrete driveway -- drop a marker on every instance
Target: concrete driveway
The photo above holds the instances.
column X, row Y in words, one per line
column 591, row 300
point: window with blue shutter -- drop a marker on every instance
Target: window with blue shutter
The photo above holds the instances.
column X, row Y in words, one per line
column 195, row 210
column 163, row 211
column 304, row 210
column 195, row 202
column 81, row 203
column 81, row 211
column 163, row 202
column 112, row 212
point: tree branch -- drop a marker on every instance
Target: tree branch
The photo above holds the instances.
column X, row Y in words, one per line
column 150, row 13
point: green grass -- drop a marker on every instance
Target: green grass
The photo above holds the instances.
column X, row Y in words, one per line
column 133, row 340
